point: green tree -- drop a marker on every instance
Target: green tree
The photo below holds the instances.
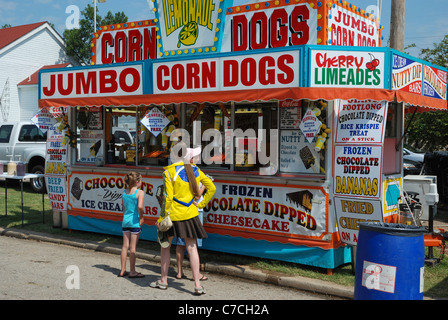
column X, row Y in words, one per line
column 78, row 41
column 429, row 130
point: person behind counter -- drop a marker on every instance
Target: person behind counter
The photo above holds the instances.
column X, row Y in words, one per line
column 180, row 192
column 132, row 222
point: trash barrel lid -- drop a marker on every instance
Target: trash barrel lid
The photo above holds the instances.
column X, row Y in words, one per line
column 395, row 229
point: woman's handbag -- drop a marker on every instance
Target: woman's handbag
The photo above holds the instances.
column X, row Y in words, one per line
column 165, row 224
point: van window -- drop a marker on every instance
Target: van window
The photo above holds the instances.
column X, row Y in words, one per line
column 5, row 133
column 31, row 133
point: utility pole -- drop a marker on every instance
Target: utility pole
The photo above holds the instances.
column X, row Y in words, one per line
column 397, row 24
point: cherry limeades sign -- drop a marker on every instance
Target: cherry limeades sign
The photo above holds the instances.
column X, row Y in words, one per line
column 334, row 68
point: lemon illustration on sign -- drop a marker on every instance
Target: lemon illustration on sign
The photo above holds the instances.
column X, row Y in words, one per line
column 188, row 34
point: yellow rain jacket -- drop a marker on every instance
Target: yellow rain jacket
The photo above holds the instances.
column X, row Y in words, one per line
column 177, row 195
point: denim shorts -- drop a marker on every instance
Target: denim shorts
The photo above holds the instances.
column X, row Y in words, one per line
column 132, row 230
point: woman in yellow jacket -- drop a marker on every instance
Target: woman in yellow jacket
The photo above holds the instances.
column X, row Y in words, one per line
column 180, row 194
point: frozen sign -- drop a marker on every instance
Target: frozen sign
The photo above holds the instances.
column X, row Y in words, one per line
column 434, row 84
column 360, row 121
column 406, row 74
column 261, row 26
column 357, row 171
column 155, row 121
column 350, row 29
column 355, row 69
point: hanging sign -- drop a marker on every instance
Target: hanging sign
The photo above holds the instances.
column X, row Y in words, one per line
column 43, row 120
column 310, row 125
column 354, row 69
column 360, row 121
column 155, row 121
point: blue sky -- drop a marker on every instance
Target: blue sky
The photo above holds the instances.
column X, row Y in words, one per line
column 426, row 21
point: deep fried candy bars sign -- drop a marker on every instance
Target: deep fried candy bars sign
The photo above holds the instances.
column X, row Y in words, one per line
column 355, row 69
column 278, row 69
column 264, row 25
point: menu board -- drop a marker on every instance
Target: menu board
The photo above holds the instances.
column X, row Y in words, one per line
column 290, row 117
column 55, row 175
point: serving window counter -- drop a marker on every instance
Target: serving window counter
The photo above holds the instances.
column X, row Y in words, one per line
column 304, row 141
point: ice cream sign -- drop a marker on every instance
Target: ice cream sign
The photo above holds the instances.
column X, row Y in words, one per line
column 355, row 69
column 406, row 74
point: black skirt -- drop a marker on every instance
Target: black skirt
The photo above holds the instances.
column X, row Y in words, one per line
column 191, row 228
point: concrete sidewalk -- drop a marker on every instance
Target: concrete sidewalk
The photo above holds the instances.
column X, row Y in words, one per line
column 297, row 282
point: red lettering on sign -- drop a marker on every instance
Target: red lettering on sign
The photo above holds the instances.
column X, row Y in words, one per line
column 128, row 45
column 93, row 82
column 278, row 30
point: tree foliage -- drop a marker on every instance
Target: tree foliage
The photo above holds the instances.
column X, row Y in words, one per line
column 78, row 41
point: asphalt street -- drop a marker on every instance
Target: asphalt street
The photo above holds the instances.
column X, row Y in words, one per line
column 31, row 270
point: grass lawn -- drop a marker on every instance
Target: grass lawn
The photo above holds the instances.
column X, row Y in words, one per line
column 435, row 281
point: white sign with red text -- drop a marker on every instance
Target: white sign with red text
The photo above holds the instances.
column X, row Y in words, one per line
column 92, row 82
column 257, row 71
column 348, row 29
column 360, row 121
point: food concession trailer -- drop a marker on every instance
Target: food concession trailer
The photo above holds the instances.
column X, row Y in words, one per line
column 297, row 109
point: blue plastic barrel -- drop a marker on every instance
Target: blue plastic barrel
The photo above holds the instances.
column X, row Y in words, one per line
column 390, row 261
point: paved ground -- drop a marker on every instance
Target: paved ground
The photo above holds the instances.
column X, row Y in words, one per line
column 51, row 271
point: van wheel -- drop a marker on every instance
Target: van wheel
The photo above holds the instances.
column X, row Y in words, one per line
column 38, row 184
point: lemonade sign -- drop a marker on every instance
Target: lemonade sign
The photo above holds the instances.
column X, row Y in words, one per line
column 188, row 26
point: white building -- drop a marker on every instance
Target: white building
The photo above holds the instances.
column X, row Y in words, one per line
column 23, row 51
